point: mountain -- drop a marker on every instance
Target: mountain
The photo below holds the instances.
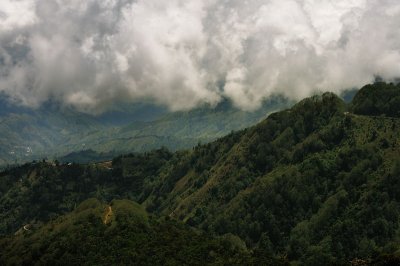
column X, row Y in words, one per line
column 178, row 130
column 50, row 132
column 121, row 233
column 26, row 135
column 316, row 184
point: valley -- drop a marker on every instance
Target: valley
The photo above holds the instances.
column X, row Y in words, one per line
column 68, row 135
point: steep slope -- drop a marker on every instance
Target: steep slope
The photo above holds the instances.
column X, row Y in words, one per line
column 315, row 183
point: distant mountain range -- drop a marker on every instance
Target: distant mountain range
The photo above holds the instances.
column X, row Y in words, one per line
column 51, row 132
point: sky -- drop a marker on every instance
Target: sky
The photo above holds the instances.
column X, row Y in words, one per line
column 184, row 53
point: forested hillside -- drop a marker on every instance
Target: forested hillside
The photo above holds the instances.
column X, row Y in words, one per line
column 316, row 184
column 122, row 233
column 378, row 99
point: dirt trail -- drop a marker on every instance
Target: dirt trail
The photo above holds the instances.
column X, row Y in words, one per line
column 108, row 215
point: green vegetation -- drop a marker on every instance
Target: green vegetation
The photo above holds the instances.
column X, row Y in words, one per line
column 378, row 99
column 130, row 238
column 316, row 184
column 51, row 133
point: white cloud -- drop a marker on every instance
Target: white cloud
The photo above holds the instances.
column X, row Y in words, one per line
column 92, row 53
column 16, row 14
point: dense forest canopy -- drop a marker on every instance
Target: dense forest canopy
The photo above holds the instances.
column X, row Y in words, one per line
column 378, row 99
column 314, row 184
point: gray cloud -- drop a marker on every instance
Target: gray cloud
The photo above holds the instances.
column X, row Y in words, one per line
column 92, row 53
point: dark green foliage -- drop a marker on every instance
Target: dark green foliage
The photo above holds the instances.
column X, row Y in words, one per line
column 314, row 184
column 131, row 238
column 378, row 99
column 39, row 192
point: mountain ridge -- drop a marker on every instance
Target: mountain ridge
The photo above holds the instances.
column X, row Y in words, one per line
column 316, row 183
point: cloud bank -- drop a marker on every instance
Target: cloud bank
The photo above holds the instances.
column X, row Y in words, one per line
column 182, row 53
